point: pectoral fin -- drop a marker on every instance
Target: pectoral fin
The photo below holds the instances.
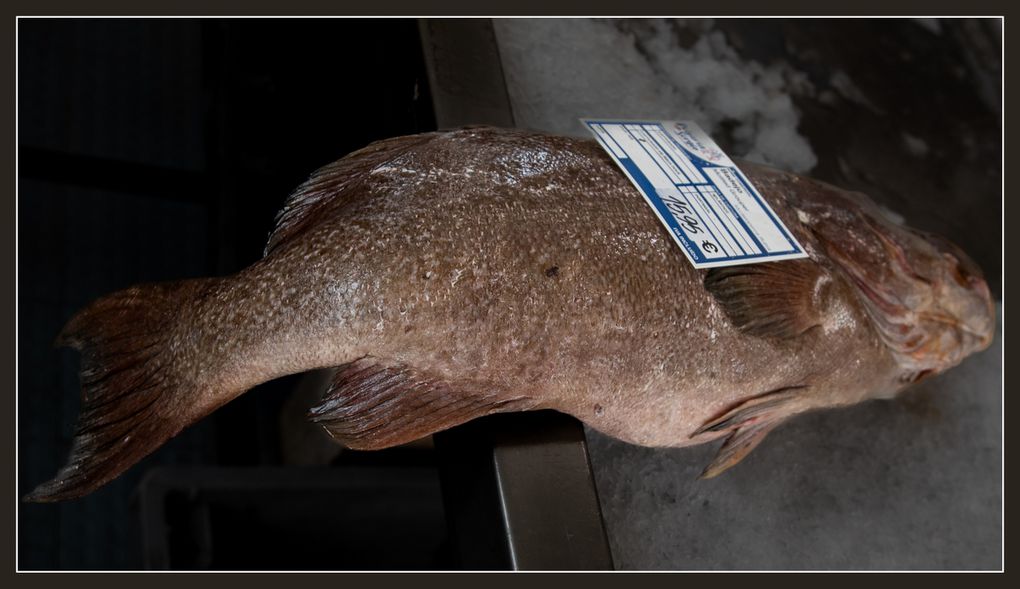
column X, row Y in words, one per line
column 373, row 404
column 774, row 299
column 749, row 422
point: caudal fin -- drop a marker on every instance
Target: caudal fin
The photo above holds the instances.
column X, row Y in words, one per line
column 134, row 396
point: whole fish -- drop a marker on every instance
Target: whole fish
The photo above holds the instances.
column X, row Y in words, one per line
column 456, row 274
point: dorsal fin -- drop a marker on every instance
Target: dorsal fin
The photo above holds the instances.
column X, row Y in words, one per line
column 330, row 181
column 773, row 299
column 374, row 404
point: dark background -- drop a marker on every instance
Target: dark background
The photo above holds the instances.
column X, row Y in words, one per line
column 159, row 150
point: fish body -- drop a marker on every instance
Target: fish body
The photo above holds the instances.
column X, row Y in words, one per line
column 456, row 274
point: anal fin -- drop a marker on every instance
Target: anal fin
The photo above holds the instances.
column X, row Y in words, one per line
column 373, row 404
column 749, row 422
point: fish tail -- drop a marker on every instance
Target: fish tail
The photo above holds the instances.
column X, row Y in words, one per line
column 134, row 394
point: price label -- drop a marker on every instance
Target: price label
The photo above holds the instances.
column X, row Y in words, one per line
column 709, row 206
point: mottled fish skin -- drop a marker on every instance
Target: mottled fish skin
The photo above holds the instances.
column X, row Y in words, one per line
column 525, row 269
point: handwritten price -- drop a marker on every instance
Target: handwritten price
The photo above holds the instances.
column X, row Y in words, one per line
column 684, row 214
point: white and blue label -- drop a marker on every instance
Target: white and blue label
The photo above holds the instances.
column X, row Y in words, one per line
column 709, row 206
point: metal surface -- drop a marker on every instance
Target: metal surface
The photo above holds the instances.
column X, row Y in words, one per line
column 518, row 488
column 519, row 494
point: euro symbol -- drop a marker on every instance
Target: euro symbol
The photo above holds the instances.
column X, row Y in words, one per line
column 709, row 247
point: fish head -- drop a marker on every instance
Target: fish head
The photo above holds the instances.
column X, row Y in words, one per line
column 927, row 299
